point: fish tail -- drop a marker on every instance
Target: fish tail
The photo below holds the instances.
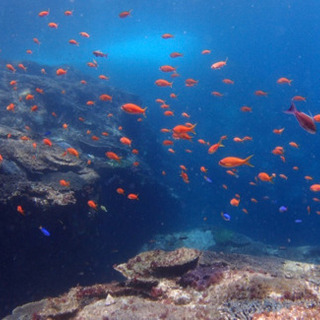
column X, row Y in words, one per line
column 144, row 112
column 192, row 128
column 247, row 161
column 292, row 109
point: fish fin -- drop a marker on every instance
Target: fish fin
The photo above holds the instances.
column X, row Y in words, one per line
column 292, row 109
column 247, row 161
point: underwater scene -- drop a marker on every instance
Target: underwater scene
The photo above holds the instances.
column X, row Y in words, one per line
column 159, row 159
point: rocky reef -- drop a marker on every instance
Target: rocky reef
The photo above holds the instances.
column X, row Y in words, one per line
column 189, row 284
column 36, row 106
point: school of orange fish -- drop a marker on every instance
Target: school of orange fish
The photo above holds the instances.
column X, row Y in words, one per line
column 181, row 131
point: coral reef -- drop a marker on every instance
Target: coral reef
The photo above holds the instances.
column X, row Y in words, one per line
column 217, row 287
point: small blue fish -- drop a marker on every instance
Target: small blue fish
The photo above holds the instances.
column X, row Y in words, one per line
column 207, row 179
column 225, row 216
column 47, row 133
column 44, row 231
column 283, row 209
column 298, row 221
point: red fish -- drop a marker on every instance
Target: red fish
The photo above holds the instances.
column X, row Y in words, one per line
column 98, row 53
column 306, row 122
column 125, row 14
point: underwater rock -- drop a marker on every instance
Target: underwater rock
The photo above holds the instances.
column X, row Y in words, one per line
column 218, row 287
column 151, row 265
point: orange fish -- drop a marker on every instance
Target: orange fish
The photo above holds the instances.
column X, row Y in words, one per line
column 68, row 12
column 176, row 54
column 29, row 97
column 47, row 142
column 105, row 134
column 315, row 187
column 167, row 143
column 283, row 176
column 165, row 106
column 72, row 151
column 219, row 64
column 163, row 83
column 133, row 109
column 74, row 42
column 105, row 97
column 36, row 40
column 39, row 90
column 179, row 129
column 135, row 151
column 230, row 162
column 168, row 113
column 125, row 14
column 84, row 34
column 34, row 108
column 64, row 183
column 206, row 51
column 44, row 13
column 234, row 202
column 13, row 83
column 10, row 67
column 53, row 114
column 203, row 169
column 317, row 118
column 217, row 94
column 278, row 131
column 167, row 36
column 265, row 177
column 299, row 98
column 293, row 144
column 53, row 25
column 95, row 138
column 215, row 147
column 254, row 200
column 113, row 156
column 284, row 80
column 260, row 93
column 228, row 81
column 29, row 51
column 308, row 178
column 167, row 68
column 184, row 114
column 164, row 130
column 133, row 196
column 20, row 210
column 173, row 96
column 103, row 77
column 246, row 109
column 10, row 107
column 184, row 177
column 126, row 141
column 21, row 66
column 278, row 150
column 90, row 103
column 120, row 191
column 61, row 72
column 25, row 138
column 92, row 205
column 190, row 82
column 65, row 126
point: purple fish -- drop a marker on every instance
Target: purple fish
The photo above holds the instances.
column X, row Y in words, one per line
column 306, row 122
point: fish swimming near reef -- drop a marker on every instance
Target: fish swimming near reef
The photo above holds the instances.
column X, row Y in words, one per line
column 306, row 122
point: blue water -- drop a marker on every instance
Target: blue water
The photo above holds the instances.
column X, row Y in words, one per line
column 263, row 41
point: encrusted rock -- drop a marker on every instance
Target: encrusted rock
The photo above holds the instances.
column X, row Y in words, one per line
column 156, row 264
